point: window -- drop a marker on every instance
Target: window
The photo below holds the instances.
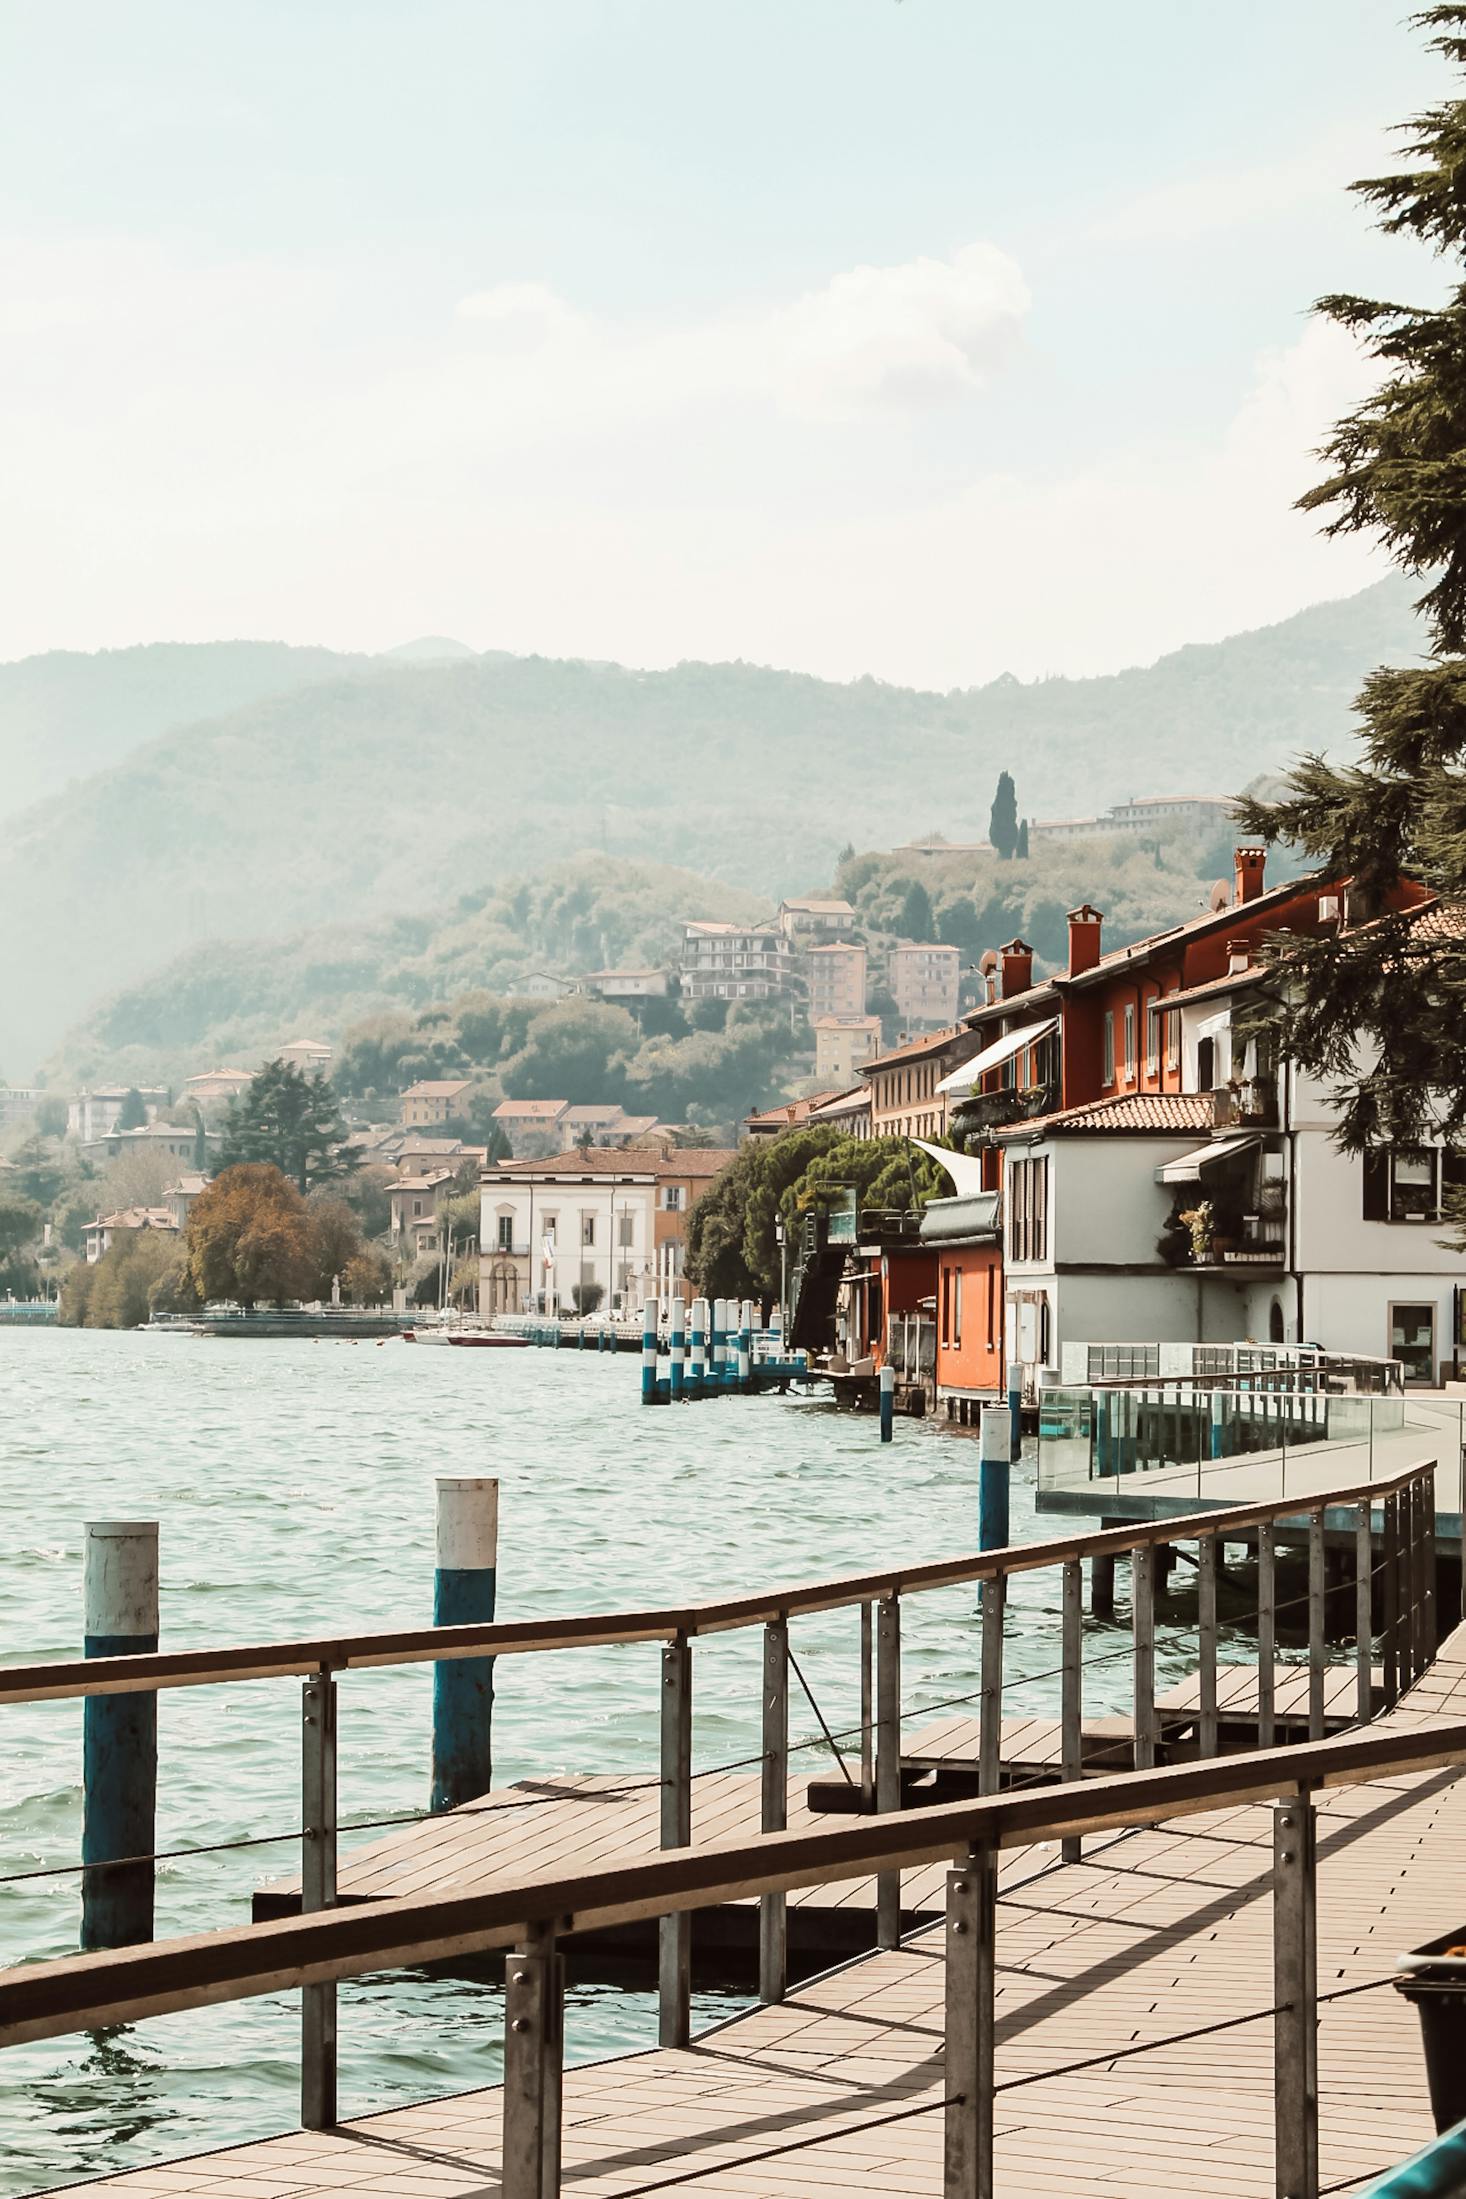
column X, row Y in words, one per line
column 506, row 1232
column 416, row 1208
column 1028, row 1202
column 588, row 1229
column 1206, row 1064
column 1412, row 1341
column 1153, row 1039
column 1411, row 1183
column 1129, row 1040
column 672, row 1197
column 1173, row 1038
column 1109, row 1046
column 946, row 1305
column 957, row 1309
column 551, row 1225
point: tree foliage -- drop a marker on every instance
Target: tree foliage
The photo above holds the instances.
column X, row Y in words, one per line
column 118, row 1290
column 249, row 1238
column 292, row 1121
column 1378, row 1010
column 1003, row 817
column 133, row 1113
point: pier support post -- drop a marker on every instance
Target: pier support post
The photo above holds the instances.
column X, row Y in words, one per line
column 1015, row 1408
column 119, row 1737
column 888, row 1403
column 1317, row 1645
column 677, row 1347
column 649, row 1351
column 990, row 1702
column 1267, row 1634
column 1206, row 1641
column 745, row 1346
column 534, row 2061
column 1295, row 1996
column 697, row 1372
column 1071, row 1705
column 318, row 1891
column 674, row 1933
column 993, row 1476
column 1102, row 1586
column 1142, row 1623
column 464, row 1588
column 1363, row 1612
column 773, row 1923
column 971, row 1976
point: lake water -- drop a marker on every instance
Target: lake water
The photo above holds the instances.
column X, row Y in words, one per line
column 294, row 1486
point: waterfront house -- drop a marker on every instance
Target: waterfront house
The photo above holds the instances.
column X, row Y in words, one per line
column 771, row 1122
column 99, row 1236
column 848, row 1112
column 684, row 1174
column 415, row 1202
column 924, row 982
column 907, row 1096
column 842, row 1045
column 433, row 1100
column 557, row 1230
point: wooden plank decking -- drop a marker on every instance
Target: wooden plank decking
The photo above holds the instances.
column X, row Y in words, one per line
column 1156, row 1933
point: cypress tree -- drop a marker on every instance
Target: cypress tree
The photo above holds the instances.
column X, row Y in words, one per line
column 1022, row 848
column 1003, row 818
column 1379, row 1011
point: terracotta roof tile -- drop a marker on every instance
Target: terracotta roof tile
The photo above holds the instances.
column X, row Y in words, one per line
column 1155, row 1112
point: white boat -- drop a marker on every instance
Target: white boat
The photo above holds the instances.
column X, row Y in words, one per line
column 465, row 1331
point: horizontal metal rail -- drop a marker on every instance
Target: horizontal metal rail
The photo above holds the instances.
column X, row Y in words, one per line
column 84, row 1992
column 59, row 1680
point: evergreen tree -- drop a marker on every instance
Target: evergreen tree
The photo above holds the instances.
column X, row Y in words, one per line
column 1003, row 821
column 133, row 1113
column 915, row 918
column 292, row 1121
column 1378, row 1011
column 1022, row 849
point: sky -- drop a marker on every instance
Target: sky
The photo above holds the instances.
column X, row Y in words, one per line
column 923, row 339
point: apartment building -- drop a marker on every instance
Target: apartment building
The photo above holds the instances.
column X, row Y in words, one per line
column 924, row 981
column 734, row 961
column 842, row 1045
column 834, row 978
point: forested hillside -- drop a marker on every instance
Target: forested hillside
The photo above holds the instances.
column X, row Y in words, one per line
column 386, row 793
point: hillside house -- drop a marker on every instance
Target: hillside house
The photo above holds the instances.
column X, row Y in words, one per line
column 835, row 981
column 99, row 1236
column 433, row 1100
column 734, row 961
column 842, row 1045
column 925, row 982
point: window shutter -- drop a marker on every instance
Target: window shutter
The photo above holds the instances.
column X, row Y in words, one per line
column 1377, row 1184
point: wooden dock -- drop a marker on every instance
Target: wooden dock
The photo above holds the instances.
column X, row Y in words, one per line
column 1135, row 2048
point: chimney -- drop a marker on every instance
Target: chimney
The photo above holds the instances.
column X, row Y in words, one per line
column 1016, row 963
column 1084, row 939
column 1251, row 862
column 1239, row 954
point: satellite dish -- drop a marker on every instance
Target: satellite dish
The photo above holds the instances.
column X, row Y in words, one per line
column 1221, row 897
column 988, row 963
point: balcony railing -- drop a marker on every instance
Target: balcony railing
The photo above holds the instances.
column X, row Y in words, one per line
column 983, row 1111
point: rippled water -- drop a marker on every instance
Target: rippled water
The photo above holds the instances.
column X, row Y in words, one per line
column 294, row 1485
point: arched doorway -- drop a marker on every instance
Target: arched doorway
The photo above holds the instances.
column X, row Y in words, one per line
column 1275, row 1323
column 503, row 1288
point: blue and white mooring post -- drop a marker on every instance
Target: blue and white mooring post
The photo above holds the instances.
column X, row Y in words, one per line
column 888, row 1403
column 994, row 1470
column 119, row 1736
column 717, row 1372
column 1015, row 1407
column 649, row 1351
column 745, row 1346
column 464, row 1587
column 697, row 1373
column 677, row 1347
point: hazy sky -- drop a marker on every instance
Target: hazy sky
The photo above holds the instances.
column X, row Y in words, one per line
column 928, row 338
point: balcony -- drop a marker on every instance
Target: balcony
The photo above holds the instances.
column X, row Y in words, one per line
column 982, row 1112
column 1249, row 1104
column 1231, row 1226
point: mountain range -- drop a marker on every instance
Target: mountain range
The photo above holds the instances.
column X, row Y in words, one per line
column 237, row 791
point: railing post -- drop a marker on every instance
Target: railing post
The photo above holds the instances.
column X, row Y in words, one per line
column 1295, row 1997
column 119, row 1737
column 318, row 1891
column 1390, row 1596
column 888, row 1757
column 1408, row 1666
column 990, row 1724
column 1427, row 1567
column 971, row 1971
column 534, row 2060
column 1206, row 1628
column 1317, row 1579
column 773, row 1922
column 674, row 1933
column 1142, row 1628
column 867, row 1710
column 1071, row 1713
column 1363, row 1612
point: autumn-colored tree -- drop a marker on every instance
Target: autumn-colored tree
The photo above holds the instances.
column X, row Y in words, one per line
column 116, row 1292
column 249, row 1238
column 368, row 1279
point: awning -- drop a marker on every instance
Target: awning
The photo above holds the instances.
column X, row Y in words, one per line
column 1187, row 1167
column 965, row 1169
column 966, row 1078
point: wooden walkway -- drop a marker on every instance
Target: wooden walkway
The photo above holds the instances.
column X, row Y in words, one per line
column 1103, row 1964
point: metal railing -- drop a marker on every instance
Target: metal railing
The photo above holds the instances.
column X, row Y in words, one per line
column 1401, row 1583
column 315, row 1953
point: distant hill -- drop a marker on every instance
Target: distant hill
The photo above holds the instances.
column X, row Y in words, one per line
column 65, row 715
column 376, row 790
column 429, row 649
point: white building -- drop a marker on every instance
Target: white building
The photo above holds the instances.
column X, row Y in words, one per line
column 94, row 1114
column 734, row 961
column 578, row 1220
column 841, row 1044
column 627, row 984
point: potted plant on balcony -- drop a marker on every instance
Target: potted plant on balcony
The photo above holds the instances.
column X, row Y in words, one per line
column 1201, row 1221
column 1174, row 1242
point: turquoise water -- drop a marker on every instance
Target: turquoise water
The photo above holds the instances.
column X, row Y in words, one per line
column 294, row 1486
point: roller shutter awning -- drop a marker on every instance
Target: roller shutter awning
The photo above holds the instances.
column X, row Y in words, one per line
column 966, row 1078
column 1187, row 1167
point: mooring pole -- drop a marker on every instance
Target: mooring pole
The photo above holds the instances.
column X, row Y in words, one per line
column 888, row 1403
column 119, row 1737
column 1015, row 1407
column 993, row 1475
column 697, row 1378
column 463, row 1595
column 677, row 1346
column 649, row 1351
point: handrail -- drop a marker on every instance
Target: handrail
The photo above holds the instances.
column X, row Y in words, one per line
column 60, row 1679
column 82, row 1992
